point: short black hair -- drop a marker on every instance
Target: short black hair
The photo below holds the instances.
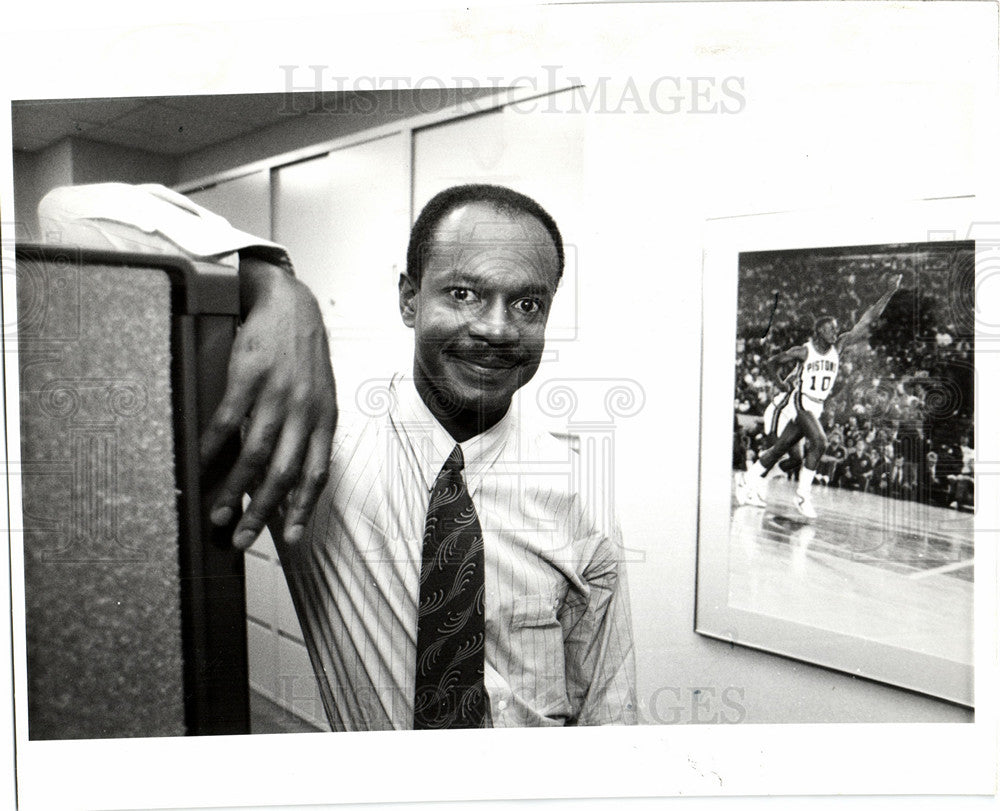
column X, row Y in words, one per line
column 503, row 200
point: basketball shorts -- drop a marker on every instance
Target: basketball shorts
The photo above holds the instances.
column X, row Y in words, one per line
column 779, row 412
column 807, row 404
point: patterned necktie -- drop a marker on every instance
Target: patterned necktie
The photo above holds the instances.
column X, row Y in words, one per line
column 451, row 625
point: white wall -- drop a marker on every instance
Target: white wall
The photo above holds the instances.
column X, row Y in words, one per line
column 344, row 218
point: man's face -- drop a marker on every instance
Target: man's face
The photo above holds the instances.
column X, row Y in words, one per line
column 828, row 332
column 479, row 314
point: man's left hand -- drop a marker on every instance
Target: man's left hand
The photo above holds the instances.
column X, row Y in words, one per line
column 281, row 385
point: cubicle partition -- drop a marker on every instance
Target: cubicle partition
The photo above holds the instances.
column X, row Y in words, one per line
column 134, row 603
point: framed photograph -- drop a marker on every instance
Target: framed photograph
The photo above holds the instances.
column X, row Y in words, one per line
column 837, row 489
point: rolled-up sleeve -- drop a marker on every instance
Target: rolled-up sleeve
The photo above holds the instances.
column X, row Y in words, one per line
column 146, row 218
column 599, row 654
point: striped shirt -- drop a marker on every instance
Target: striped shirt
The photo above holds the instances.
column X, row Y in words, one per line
column 558, row 630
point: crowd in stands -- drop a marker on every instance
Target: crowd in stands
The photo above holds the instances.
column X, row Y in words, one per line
column 899, row 422
column 897, row 461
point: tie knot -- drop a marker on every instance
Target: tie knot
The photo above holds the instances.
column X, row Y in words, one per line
column 455, row 462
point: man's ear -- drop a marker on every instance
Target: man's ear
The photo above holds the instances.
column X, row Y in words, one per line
column 407, row 296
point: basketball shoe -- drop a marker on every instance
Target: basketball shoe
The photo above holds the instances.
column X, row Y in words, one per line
column 748, row 494
column 803, row 503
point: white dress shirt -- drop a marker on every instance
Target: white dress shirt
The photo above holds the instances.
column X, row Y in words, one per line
column 558, row 630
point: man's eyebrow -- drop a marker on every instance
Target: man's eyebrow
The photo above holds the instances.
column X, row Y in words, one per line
column 536, row 290
column 456, row 274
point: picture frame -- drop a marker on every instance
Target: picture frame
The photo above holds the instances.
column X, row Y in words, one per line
column 880, row 583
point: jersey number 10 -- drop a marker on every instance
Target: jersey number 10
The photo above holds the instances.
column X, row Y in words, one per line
column 824, row 383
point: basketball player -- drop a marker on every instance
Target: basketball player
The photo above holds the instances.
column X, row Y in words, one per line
column 779, row 412
column 818, row 362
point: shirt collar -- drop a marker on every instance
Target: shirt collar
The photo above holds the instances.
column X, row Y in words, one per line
column 427, row 444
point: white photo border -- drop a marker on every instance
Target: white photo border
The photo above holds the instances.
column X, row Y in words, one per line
column 49, row 54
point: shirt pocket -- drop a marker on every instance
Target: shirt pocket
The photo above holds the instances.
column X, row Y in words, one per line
column 536, row 646
column 534, row 611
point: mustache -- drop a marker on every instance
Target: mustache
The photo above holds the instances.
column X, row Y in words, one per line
column 490, row 358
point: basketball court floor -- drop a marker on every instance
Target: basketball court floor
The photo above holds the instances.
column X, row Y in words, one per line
column 882, row 569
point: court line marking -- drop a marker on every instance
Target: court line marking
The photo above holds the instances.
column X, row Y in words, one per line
column 951, row 567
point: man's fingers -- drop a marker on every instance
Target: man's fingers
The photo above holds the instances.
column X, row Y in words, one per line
column 280, row 375
column 254, row 459
column 282, row 475
column 314, row 476
column 225, row 422
column 243, row 383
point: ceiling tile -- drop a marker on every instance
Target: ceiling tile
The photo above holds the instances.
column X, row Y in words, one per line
column 158, row 128
column 39, row 126
column 97, row 109
column 259, row 108
column 172, row 124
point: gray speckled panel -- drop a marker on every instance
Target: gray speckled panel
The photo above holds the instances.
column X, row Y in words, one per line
column 101, row 574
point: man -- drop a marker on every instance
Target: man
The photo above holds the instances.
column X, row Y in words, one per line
column 935, row 484
column 832, row 459
column 778, row 413
column 447, row 578
column 554, row 645
column 881, row 469
column 818, row 362
column 859, row 468
column 899, row 485
column 963, row 482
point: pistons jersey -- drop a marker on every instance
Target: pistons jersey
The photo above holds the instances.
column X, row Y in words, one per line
column 818, row 372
